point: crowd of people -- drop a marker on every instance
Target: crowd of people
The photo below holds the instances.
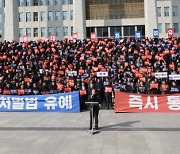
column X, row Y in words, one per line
column 43, row 66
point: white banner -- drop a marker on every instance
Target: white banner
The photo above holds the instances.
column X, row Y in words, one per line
column 72, row 73
column 102, row 74
column 174, row 77
column 161, row 75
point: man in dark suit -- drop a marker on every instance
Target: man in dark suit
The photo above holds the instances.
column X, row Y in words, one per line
column 94, row 98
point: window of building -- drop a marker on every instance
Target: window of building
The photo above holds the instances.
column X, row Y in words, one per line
column 175, row 11
column 50, row 31
column 43, row 31
column 58, row 15
column 43, row 16
column 166, row 11
column 43, row 2
column 160, row 27
column 35, row 31
column 167, row 25
column 102, row 32
column 65, row 31
column 142, row 30
column 57, row 2
column 71, row 15
column 21, row 2
column 1, row 3
column 65, row 15
column 159, row 11
column 50, row 2
column 35, row 16
column 114, row 9
column 89, row 30
column 65, row 2
column 28, row 2
column 35, row 2
column 28, row 16
column 58, row 31
column 176, row 27
column 115, row 29
column 1, row 17
column 71, row 1
column 50, row 16
column 20, row 32
column 129, row 31
column 28, row 32
column 21, row 17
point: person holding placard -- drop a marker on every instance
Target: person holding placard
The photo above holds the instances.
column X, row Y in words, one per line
column 108, row 95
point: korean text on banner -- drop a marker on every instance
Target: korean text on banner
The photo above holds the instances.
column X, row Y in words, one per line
column 127, row 102
column 61, row 102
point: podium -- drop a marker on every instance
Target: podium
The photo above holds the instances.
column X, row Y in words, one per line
column 92, row 104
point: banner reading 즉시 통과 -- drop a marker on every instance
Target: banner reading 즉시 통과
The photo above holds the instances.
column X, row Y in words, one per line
column 61, row 102
column 129, row 102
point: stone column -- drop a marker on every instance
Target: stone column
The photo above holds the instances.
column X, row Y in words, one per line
column 150, row 17
column 11, row 24
column 79, row 22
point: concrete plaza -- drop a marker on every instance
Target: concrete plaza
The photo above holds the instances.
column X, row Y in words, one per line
column 66, row 133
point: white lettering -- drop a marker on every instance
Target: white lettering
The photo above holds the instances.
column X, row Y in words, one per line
column 31, row 103
column 51, row 102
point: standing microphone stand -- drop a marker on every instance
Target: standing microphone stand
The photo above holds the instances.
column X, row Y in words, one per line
column 92, row 104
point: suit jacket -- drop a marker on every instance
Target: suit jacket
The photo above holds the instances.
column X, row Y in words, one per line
column 94, row 98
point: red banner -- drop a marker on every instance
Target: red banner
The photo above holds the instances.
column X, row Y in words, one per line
column 25, row 38
column 170, row 32
column 93, row 35
column 75, row 36
column 53, row 37
column 129, row 102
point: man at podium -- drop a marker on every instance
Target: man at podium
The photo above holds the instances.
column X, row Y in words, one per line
column 95, row 110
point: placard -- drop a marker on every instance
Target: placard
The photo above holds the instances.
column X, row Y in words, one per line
column 156, row 33
column 25, row 38
column 161, row 75
column 53, row 37
column 102, row 74
column 174, row 77
column 75, row 36
column 117, row 35
column 138, row 35
column 93, row 35
column 170, row 32
column 72, row 73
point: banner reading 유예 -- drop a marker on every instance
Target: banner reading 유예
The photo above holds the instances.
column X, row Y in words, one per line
column 61, row 102
column 131, row 102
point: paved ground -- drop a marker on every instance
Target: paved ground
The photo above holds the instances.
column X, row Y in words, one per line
column 65, row 133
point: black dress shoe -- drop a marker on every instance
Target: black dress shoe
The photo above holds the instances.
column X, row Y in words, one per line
column 90, row 128
column 96, row 128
